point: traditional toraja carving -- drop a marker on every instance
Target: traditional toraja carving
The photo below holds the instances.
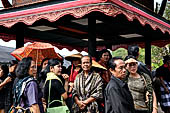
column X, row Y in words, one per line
column 16, row 3
column 109, row 9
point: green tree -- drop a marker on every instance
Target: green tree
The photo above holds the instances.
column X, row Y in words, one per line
column 120, row 52
column 167, row 12
column 157, row 54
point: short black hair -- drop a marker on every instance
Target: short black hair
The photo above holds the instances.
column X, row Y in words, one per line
column 51, row 62
column 129, row 56
column 45, row 59
column 112, row 64
column 104, row 51
column 133, row 50
column 23, row 67
column 13, row 62
column 5, row 69
column 166, row 58
column 87, row 56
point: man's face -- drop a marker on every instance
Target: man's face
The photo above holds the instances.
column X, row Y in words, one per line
column 120, row 71
column 85, row 63
column 105, row 57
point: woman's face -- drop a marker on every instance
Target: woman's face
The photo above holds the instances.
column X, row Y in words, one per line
column 56, row 69
column 132, row 67
column 45, row 63
column 1, row 72
column 76, row 62
column 32, row 71
column 105, row 57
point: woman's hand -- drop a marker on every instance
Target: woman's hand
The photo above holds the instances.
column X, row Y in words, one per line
column 65, row 76
column 81, row 105
column 71, row 87
column 44, row 104
column 155, row 110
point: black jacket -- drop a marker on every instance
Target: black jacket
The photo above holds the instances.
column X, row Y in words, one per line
column 118, row 98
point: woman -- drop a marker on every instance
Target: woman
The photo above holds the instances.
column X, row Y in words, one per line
column 26, row 88
column 58, row 89
column 8, row 83
column 73, row 71
column 41, row 73
column 4, row 99
column 104, row 57
column 140, row 86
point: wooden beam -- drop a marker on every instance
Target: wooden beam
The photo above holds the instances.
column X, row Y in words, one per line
column 148, row 53
column 92, row 36
column 20, row 29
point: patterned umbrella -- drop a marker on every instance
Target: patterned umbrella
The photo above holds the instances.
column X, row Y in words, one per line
column 37, row 50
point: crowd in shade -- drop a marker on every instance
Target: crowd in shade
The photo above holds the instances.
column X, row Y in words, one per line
column 104, row 84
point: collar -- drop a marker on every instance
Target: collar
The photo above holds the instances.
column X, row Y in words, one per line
column 120, row 82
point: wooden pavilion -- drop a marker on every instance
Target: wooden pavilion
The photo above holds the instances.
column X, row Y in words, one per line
column 84, row 24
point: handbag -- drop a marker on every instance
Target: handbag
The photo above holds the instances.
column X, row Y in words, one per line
column 58, row 109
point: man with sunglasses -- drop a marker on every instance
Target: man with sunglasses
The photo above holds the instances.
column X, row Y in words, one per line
column 118, row 98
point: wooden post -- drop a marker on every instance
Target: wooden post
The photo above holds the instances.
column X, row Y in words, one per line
column 148, row 53
column 20, row 35
column 92, row 36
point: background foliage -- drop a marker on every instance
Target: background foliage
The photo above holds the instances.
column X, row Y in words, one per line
column 167, row 12
column 157, row 54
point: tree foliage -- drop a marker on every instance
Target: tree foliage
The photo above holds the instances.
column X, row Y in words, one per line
column 167, row 12
column 157, row 54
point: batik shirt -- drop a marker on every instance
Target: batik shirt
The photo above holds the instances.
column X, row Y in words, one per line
column 85, row 87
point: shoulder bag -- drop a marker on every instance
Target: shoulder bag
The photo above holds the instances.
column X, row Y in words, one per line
column 59, row 109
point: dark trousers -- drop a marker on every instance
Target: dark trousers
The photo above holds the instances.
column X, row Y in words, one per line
column 141, row 111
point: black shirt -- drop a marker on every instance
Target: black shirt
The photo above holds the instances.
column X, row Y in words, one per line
column 118, row 98
column 57, row 89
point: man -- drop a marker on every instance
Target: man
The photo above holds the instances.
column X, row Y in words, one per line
column 134, row 51
column 118, row 98
column 163, row 73
column 87, row 88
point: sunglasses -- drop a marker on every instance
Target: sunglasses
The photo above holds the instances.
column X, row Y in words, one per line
column 132, row 64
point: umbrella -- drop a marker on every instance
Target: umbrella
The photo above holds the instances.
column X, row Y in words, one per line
column 37, row 50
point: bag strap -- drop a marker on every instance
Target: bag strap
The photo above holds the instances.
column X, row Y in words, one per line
column 49, row 103
column 21, row 84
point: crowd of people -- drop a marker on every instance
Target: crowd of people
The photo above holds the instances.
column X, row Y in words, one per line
column 110, row 85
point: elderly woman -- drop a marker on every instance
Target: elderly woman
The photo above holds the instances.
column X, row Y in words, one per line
column 26, row 88
column 140, row 86
column 87, row 88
